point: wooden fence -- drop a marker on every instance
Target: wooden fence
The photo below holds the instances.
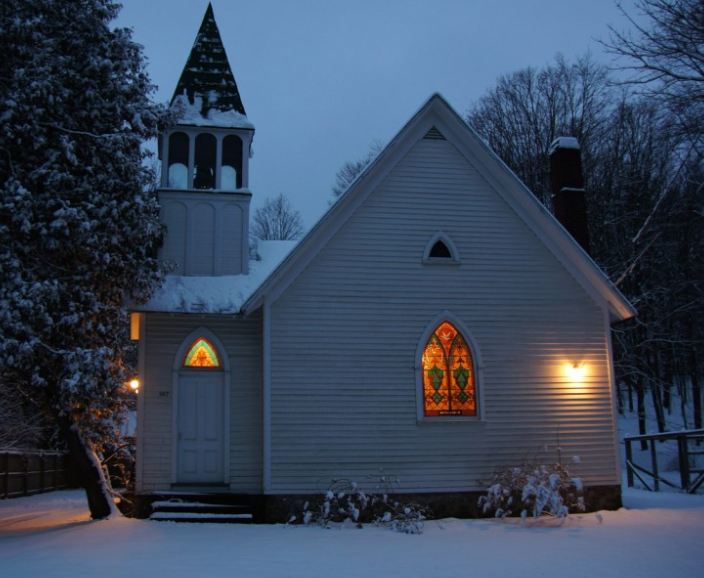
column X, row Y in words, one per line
column 691, row 476
column 26, row 472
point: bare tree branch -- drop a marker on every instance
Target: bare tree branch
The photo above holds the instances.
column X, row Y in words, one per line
column 666, row 56
column 352, row 169
column 277, row 220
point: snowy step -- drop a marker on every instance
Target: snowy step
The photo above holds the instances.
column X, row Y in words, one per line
column 198, row 507
column 202, row 517
column 201, row 509
column 179, row 504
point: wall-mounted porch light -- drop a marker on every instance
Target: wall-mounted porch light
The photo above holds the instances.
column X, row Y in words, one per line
column 576, row 371
column 134, row 384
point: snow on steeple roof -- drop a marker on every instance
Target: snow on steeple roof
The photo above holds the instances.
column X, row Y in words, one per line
column 207, row 78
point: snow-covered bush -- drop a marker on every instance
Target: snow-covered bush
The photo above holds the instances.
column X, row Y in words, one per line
column 405, row 518
column 533, row 490
column 345, row 502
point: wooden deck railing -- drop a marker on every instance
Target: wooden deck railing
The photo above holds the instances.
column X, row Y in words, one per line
column 691, row 477
column 26, row 472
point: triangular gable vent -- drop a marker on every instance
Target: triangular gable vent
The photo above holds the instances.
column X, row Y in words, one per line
column 434, row 134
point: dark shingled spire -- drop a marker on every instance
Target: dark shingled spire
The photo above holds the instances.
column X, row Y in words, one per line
column 207, row 73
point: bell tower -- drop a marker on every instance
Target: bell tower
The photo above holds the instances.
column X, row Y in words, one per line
column 204, row 193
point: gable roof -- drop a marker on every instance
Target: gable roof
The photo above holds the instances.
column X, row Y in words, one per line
column 437, row 116
column 207, row 75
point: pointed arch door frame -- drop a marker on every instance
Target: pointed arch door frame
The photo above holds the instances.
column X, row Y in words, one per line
column 476, row 358
column 180, row 376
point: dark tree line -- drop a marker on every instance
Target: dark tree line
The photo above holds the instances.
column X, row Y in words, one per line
column 642, row 146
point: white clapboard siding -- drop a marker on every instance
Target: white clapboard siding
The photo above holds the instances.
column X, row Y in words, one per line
column 345, row 334
column 206, row 232
column 242, row 340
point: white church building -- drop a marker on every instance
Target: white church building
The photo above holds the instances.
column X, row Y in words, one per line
column 436, row 325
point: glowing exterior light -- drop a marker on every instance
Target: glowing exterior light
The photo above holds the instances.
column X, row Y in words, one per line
column 134, row 385
column 576, row 371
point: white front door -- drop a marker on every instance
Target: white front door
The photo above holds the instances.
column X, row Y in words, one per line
column 200, row 427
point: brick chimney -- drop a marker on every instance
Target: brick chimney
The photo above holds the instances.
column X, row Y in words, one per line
column 567, row 187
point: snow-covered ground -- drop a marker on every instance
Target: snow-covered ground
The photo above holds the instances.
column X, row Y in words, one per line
column 656, row 535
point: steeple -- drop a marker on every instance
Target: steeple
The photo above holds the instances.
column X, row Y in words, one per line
column 207, row 78
column 204, row 193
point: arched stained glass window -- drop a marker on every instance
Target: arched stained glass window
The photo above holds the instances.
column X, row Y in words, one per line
column 448, row 374
column 202, row 354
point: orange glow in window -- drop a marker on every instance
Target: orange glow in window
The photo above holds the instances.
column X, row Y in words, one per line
column 448, row 374
column 202, row 354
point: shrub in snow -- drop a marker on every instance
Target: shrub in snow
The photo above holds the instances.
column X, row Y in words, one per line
column 532, row 490
column 405, row 518
column 119, row 461
column 345, row 502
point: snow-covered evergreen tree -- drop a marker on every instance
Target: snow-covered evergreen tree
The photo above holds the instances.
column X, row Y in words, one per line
column 78, row 222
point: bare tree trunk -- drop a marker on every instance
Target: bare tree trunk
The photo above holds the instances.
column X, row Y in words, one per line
column 682, row 387
column 667, row 396
column 665, row 374
column 655, row 387
column 657, row 405
column 642, row 428
column 640, row 400
column 696, row 391
column 630, row 396
column 89, row 473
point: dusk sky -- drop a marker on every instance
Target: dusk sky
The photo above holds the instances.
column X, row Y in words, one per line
column 322, row 80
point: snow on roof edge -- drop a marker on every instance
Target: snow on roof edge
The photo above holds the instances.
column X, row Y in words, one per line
column 224, row 294
column 564, row 142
